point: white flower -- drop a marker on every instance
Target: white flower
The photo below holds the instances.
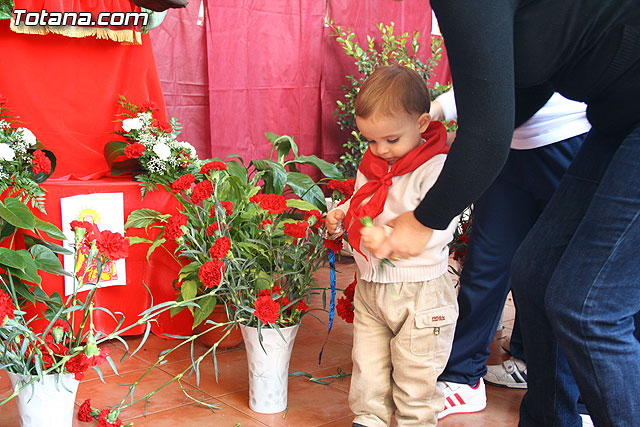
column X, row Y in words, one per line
column 6, row 152
column 131, row 124
column 188, row 147
column 155, row 165
column 27, row 136
column 162, row 150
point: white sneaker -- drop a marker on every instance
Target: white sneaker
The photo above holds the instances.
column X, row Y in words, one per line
column 511, row 373
column 462, row 398
column 586, row 420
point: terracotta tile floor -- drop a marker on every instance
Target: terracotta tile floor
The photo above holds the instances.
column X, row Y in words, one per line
column 310, row 404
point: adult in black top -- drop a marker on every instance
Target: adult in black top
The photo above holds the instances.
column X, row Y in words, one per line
column 507, row 57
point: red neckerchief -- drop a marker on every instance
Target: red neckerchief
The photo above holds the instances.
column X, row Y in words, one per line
column 379, row 174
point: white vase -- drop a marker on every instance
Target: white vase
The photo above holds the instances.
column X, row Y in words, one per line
column 268, row 371
column 49, row 403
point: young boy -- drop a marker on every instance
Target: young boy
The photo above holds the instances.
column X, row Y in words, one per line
column 404, row 315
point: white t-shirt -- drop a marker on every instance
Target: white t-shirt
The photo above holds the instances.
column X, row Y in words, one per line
column 560, row 118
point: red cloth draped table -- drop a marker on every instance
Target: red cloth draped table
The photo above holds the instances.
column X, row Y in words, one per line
column 158, row 273
column 65, row 90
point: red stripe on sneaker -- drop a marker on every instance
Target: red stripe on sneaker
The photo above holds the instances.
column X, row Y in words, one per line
column 450, row 401
column 462, row 402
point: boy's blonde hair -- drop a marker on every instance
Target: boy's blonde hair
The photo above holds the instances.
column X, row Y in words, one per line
column 392, row 89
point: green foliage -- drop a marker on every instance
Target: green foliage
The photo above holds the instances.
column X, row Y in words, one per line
column 6, row 6
column 393, row 49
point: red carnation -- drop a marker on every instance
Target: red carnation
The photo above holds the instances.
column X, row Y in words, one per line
column 317, row 215
column 349, row 292
column 55, row 348
column 265, row 222
column 78, row 365
column 267, row 310
column 302, row 306
column 314, row 212
column 272, row 203
column 210, row 273
column 112, row 245
column 133, row 151
column 162, row 125
column 215, row 165
column 220, row 247
column 183, row 183
column 149, row 106
column 6, row 307
column 84, row 412
column 213, row 227
column 297, row 230
column 101, row 357
column 265, row 292
column 41, row 163
column 172, row 230
column 334, row 245
column 344, row 308
column 345, row 187
column 228, row 207
column 81, row 224
column 201, row 191
column 104, row 422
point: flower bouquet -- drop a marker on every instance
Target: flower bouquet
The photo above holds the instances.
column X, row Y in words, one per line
column 149, row 147
column 248, row 238
column 24, row 163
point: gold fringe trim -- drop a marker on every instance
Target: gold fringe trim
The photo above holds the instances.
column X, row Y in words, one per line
column 120, row 36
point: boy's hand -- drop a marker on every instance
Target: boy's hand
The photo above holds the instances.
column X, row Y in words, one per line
column 408, row 238
column 372, row 237
column 333, row 220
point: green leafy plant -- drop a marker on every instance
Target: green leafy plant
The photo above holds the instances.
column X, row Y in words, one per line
column 6, row 6
column 245, row 231
column 393, row 49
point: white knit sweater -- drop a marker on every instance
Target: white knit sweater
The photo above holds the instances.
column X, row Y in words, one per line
column 405, row 194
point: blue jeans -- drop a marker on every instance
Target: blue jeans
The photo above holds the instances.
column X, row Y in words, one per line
column 502, row 217
column 576, row 280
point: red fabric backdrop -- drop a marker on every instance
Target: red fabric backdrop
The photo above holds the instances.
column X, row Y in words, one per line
column 254, row 66
column 66, row 90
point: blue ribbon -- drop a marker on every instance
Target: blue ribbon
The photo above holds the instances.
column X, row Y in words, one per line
column 332, row 303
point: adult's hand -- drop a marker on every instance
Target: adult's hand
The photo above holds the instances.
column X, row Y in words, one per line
column 408, row 238
column 160, row 5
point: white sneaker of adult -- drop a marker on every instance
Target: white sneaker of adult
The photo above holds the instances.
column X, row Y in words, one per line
column 462, row 398
column 586, row 420
column 511, row 373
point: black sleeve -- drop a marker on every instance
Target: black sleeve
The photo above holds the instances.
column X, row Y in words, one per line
column 530, row 100
column 478, row 37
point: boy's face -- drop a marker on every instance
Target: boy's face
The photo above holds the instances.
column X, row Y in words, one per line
column 391, row 138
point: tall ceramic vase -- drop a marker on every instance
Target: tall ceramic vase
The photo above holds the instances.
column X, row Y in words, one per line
column 49, row 403
column 268, row 368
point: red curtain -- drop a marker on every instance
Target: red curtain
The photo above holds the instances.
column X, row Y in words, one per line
column 251, row 67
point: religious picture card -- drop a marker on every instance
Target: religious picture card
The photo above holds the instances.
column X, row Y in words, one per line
column 104, row 211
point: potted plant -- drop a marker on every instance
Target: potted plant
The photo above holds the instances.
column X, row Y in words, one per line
column 392, row 49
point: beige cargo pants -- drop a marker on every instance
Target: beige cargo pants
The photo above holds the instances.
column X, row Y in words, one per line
column 402, row 336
